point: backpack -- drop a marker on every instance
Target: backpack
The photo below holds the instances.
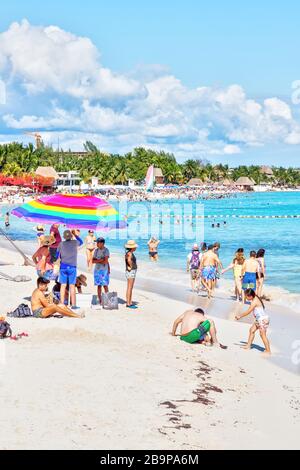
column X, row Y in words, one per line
column 21, row 312
column 195, row 260
column 5, row 329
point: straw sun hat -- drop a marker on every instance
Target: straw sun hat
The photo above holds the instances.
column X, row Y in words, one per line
column 47, row 240
column 131, row 244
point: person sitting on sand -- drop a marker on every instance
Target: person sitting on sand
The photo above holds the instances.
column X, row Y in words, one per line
column 196, row 328
column 153, row 248
column 209, row 265
column 249, row 273
column 42, row 308
column 261, row 322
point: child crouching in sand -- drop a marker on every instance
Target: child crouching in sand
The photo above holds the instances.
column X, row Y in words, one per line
column 261, row 322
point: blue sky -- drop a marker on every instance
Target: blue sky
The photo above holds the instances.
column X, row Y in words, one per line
column 212, row 44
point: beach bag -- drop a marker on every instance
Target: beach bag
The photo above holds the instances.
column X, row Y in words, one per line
column 20, row 312
column 195, row 260
column 5, row 329
column 110, row 301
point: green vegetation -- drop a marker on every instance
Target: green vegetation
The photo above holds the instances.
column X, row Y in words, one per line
column 17, row 159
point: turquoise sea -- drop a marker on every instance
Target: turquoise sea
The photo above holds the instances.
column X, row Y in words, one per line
column 278, row 236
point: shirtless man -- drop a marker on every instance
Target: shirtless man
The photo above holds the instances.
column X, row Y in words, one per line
column 196, row 328
column 209, row 265
column 153, row 248
column 40, row 306
column 250, row 270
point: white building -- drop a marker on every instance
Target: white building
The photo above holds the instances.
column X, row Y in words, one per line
column 68, row 179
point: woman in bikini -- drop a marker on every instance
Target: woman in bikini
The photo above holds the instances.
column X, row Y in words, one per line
column 261, row 320
column 237, row 266
column 90, row 245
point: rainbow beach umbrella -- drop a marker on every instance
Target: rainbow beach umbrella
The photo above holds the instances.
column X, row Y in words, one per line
column 72, row 210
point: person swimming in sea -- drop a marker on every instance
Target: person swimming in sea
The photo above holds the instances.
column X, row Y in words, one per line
column 261, row 320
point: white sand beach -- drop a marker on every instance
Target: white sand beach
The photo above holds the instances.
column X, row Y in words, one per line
column 119, row 380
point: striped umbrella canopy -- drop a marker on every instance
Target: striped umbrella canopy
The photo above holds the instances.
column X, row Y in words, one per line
column 72, row 210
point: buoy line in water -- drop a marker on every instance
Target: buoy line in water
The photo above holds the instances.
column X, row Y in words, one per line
column 232, row 216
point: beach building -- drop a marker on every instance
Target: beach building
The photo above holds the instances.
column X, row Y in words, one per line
column 245, row 183
column 267, row 171
column 195, row 182
column 47, row 172
column 68, row 179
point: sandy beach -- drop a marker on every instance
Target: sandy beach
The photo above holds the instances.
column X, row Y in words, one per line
column 119, row 380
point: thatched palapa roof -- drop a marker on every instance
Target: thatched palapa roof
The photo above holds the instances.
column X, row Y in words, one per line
column 195, row 182
column 244, row 181
column 46, row 172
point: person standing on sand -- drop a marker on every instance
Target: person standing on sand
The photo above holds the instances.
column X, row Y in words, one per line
column 68, row 252
column 261, row 322
column 90, row 245
column 209, row 265
column 42, row 258
column 153, row 248
column 193, row 267
column 54, row 231
column 249, row 271
column 261, row 274
column 102, row 269
column 131, row 270
column 237, row 266
column 40, row 306
column 196, row 328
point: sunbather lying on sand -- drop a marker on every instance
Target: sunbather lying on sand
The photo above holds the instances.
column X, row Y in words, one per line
column 197, row 328
column 40, row 306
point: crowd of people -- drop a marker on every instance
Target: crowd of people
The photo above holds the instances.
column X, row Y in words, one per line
column 205, row 268
column 56, row 259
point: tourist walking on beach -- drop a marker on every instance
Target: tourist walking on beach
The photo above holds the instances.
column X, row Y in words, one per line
column 208, row 266
column 68, row 252
column 153, row 248
column 197, row 328
column 261, row 274
column 54, row 231
column 102, row 269
column 90, row 245
column 237, row 266
column 193, row 267
column 43, row 308
column 261, row 320
column 249, row 273
column 42, row 258
column 131, row 270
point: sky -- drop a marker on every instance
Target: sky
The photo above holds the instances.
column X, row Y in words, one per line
column 202, row 79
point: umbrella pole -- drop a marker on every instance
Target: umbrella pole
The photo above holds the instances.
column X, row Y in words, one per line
column 27, row 261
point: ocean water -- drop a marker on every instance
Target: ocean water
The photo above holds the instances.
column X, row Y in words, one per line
column 278, row 236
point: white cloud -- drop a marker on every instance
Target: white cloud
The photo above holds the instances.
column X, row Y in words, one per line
column 60, row 87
